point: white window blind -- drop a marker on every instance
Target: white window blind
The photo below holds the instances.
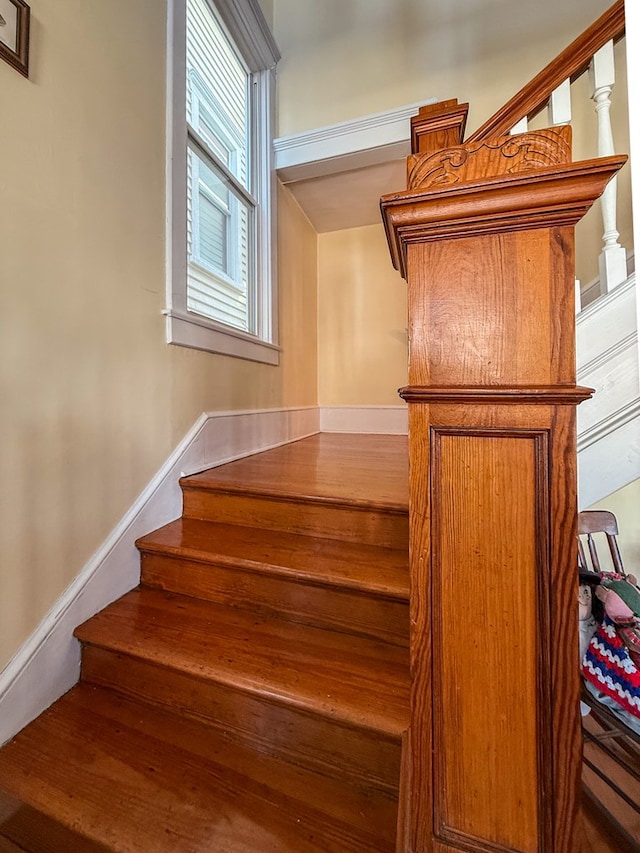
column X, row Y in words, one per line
column 220, row 208
column 221, row 288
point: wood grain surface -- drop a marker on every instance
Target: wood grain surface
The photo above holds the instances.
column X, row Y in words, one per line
column 488, row 253
column 253, row 693
column 486, row 666
column 145, row 780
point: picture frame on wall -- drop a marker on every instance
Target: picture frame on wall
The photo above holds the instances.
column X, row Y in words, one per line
column 14, row 34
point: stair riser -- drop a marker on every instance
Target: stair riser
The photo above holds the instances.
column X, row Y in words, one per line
column 348, row 611
column 303, row 738
column 387, row 529
column 30, row 831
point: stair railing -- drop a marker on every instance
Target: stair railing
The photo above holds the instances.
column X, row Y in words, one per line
column 591, row 53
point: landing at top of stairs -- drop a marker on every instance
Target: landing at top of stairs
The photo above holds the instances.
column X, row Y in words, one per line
column 355, row 470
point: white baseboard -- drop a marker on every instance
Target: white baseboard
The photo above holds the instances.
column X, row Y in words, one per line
column 48, row 664
column 385, row 420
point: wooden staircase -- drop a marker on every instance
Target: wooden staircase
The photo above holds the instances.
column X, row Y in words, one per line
column 252, row 693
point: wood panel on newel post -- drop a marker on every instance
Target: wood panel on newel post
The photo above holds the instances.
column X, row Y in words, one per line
column 485, row 239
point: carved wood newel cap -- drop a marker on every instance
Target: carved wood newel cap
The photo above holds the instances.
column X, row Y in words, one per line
column 509, row 155
column 513, row 183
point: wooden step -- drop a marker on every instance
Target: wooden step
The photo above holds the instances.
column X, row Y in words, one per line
column 601, row 834
column 608, row 752
column 128, row 778
column 26, row 829
column 331, row 701
column 350, row 587
column 353, row 488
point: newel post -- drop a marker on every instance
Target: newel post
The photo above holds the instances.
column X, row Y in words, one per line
column 484, row 238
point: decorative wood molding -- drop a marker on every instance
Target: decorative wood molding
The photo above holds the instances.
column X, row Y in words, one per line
column 48, row 664
column 546, row 198
column 525, row 152
column 569, row 65
column 552, row 395
column 438, row 126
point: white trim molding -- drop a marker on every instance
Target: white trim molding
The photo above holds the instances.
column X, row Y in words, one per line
column 383, row 420
column 618, row 348
column 366, row 141
column 609, row 424
column 608, row 299
column 611, row 460
column 48, row 664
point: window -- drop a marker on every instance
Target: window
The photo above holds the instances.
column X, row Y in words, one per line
column 221, row 292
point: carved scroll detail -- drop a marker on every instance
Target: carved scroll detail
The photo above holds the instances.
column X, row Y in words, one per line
column 507, row 155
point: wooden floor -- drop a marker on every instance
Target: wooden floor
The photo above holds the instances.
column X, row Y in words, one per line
column 354, row 469
column 252, row 693
column 600, row 835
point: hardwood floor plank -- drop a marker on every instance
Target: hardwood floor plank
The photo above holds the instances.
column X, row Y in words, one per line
column 328, row 562
column 353, row 588
column 366, row 470
column 173, row 786
column 354, row 680
column 252, row 695
column 600, row 834
column 332, row 486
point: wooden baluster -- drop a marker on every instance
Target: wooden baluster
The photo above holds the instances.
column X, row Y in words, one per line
column 613, row 258
column 560, row 104
column 494, row 747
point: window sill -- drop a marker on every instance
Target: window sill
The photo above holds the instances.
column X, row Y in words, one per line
column 190, row 331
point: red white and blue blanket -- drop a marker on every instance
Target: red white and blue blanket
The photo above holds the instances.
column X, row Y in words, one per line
column 608, row 666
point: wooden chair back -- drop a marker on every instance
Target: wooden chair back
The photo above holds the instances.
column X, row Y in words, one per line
column 591, row 522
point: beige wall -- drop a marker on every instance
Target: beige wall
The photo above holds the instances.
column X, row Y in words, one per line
column 362, row 320
column 93, row 400
column 267, row 10
column 346, row 60
column 624, row 504
column 342, row 60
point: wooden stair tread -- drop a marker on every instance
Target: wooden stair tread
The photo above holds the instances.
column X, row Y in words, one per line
column 26, row 829
column 350, row 470
column 600, row 834
column 355, row 680
column 327, row 562
column 133, row 778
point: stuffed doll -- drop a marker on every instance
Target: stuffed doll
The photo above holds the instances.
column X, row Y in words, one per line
column 587, row 625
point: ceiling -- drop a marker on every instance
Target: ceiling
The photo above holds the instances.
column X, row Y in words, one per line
column 339, row 192
column 349, row 199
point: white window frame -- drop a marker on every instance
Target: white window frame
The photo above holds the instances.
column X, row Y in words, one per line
column 245, row 24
